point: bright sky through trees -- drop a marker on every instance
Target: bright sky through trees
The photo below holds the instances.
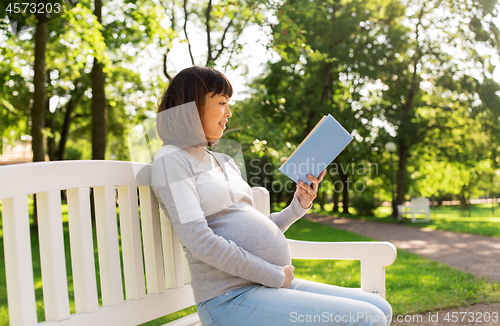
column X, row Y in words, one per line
column 254, row 55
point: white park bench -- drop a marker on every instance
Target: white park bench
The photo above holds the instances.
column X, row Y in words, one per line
column 420, row 205
column 150, row 251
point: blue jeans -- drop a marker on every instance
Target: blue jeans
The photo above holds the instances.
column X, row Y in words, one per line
column 305, row 302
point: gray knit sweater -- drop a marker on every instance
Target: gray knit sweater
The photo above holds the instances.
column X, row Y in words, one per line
column 228, row 243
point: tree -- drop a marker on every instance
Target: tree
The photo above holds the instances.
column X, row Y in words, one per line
column 72, row 39
column 323, row 69
column 39, row 95
column 99, row 104
column 437, row 59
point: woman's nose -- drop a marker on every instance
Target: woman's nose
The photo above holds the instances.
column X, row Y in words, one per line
column 228, row 112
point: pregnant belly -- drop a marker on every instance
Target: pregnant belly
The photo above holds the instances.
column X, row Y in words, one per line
column 254, row 232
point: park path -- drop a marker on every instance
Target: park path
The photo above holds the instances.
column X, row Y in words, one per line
column 479, row 255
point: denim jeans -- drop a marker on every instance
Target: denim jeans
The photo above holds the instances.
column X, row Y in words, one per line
column 305, row 302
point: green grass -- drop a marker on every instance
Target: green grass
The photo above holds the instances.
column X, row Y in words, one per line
column 446, row 218
column 414, row 284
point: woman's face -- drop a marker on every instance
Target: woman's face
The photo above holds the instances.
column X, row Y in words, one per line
column 215, row 115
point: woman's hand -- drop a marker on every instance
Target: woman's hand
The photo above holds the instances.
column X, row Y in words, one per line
column 305, row 193
column 288, row 269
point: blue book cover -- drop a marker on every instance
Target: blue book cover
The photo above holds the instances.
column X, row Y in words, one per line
column 323, row 144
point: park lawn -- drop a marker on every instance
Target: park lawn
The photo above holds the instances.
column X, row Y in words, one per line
column 414, row 284
column 451, row 218
column 445, row 218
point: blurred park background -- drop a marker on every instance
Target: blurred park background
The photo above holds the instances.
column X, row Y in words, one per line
column 421, row 74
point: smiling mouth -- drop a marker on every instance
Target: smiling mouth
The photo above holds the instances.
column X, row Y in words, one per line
column 223, row 126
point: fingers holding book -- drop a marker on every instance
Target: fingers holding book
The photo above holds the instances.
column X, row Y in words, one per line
column 306, row 193
column 315, row 182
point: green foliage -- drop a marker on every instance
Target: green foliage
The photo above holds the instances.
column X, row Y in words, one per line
column 73, row 153
column 325, row 67
column 366, row 62
column 364, row 205
column 130, row 30
column 14, row 93
column 74, row 40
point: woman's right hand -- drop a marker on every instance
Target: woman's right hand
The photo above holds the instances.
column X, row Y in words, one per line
column 288, row 269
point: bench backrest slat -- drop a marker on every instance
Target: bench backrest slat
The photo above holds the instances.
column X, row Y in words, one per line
column 82, row 250
column 18, row 264
column 52, row 258
column 151, row 239
column 110, row 270
column 168, row 251
column 133, row 267
column 186, row 275
column 182, row 276
column 176, row 245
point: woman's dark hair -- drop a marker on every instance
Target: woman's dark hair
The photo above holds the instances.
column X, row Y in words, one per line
column 190, row 85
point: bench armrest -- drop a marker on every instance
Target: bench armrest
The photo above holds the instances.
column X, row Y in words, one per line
column 374, row 257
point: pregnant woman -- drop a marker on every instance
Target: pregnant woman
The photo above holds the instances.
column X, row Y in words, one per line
column 239, row 259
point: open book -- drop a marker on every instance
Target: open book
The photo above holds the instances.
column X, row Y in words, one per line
column 323, row 144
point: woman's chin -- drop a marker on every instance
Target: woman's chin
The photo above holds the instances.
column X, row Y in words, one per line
column 211, row 138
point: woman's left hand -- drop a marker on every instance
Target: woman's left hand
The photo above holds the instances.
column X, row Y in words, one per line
column 305, row 193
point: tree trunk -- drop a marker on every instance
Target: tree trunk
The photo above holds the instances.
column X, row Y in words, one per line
column 49, row 124
column 335, row 196
column 490, row 192
column 335, row 202
column 462, row 196
column 38, row 108
column 65, row 129
column 344, row 178
column 321, row 197
column 99, row 105
column 49, row 121
column 468, row 200
column 289, row 197
column 282, row 196
column 70, row 107
column 400, row 175
column 1, row 131
column 493, row 206
column 463, row 200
